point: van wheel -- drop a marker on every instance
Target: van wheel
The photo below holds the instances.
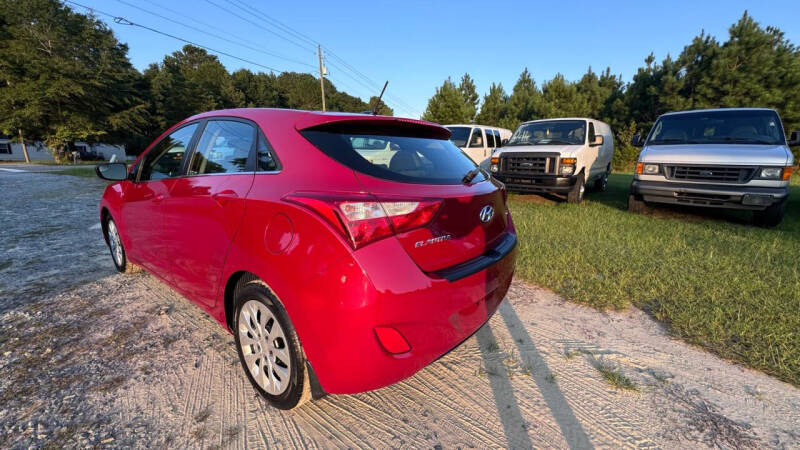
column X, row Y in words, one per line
column 601, row 184
column 269, row 349
column 117, row 250
column 635, row 205
column 576, row 194
column 771, row 216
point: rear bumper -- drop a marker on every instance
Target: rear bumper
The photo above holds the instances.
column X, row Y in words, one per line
column 537, row 183
column 709, row 195
column 433, row 314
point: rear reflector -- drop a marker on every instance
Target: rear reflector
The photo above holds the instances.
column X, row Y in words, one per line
column 391, row 340
column 363, row 218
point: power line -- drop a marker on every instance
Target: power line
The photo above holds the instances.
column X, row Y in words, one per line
column 345, row 67
column 257, row 25
column 123, row 21
column 239, row 43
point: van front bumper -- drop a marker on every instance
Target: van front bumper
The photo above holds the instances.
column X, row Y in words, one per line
column 537, row 183
column 709, row 195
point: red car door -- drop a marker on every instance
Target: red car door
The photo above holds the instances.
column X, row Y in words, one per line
column 205, row 208
column 142, row 213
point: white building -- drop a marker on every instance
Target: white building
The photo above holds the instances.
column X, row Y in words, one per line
column 37, row 151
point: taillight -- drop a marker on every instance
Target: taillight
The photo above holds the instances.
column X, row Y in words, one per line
column 363, row 218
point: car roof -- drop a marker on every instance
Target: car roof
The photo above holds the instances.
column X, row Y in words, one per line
column 673, row 113
column 475, row 125
column 303, row 120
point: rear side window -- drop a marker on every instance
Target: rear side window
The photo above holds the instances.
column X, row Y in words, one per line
column 267, row 162
column 489, row 139
column 497, row 141
column 223, row 147
column 164, row 160
column 397, row 158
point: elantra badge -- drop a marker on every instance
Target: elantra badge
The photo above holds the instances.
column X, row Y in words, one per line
column 487, row 214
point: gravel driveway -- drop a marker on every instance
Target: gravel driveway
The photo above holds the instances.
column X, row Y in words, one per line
column 92, row 358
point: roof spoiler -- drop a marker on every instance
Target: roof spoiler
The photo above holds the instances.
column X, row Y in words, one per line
column 359, row 124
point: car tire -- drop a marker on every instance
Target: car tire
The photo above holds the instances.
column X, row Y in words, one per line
column 118, row 254
column 601, row 184
column 771, row 216
column 635, row 205
column 283, row 381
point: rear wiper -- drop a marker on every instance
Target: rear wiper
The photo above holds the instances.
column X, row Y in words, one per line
column 469, row 176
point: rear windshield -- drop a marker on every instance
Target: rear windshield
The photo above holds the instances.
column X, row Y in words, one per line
column 459, row 135
column 718, row 127
column 398, row 158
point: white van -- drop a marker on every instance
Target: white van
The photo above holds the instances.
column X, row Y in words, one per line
column 478, row 141
column 560, row 156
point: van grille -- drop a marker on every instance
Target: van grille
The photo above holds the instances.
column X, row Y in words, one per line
column 529, row 164
column 714, row 174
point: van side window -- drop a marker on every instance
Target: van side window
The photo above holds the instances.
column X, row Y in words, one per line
column 497, row 140
column 165, row 158
column 490, row 139
column 591, row 132
column 477, row 138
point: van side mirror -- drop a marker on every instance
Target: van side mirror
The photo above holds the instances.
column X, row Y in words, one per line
column 794, row 139
column 637, row 140
column 112, row 171
column 598, row 140
column 504, row 142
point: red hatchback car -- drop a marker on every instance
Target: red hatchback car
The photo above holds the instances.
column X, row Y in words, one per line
column 344, row 252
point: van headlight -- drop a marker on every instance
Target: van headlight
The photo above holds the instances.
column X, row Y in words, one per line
column 771, row 173
column 568, row 166
column 651, row 169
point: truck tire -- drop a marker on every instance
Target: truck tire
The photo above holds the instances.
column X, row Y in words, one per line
column 771, row 216
column 635, row 205
column 601, row 184
column 576, row 194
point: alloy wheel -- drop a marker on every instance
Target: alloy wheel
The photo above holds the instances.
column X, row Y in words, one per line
column 115, row 243
column 264, row 347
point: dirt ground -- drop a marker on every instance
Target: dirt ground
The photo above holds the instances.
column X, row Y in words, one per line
column 124, row 361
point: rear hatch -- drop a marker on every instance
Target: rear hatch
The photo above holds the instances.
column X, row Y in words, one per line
column 417, row 175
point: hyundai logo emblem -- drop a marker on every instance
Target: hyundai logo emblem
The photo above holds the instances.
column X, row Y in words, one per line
column 487, row 214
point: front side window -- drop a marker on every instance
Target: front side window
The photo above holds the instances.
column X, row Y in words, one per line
column 397, row 158
column 497, row 140
column 477, row 138
column 223, row 147
column 164, row 159
column 551, row 132
column 718, row 127
column 459, row 135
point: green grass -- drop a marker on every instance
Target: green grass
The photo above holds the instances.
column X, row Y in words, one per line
column 85, row 171
column 615, row 377
column 708, row 275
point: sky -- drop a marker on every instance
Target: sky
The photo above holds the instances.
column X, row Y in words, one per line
column 416, row 45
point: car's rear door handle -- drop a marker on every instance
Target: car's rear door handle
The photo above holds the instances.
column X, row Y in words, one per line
column 222, row 198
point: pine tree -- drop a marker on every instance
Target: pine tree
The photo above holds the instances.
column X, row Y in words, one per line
column 524, row 103
column 495, row 106
column 447, row 105
column 470, row 95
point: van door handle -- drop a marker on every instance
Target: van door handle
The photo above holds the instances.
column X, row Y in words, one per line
column 222, row 198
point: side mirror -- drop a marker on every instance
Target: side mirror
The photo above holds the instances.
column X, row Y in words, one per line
column 112, row 171
column 503, row 142
column 637, row 140
column 598, row 140
column 794, row 139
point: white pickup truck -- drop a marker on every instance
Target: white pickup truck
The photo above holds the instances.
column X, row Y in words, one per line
column 559, row 156
column 734, row 158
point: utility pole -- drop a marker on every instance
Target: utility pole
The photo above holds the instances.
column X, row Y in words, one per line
column 24, row 148
column 321, row 76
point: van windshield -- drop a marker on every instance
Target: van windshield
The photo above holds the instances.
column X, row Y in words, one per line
column 761, row 127
column 398, row 158
column 552, row 132
column 459, row 135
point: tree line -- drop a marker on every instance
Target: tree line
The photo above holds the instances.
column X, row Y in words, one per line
column 64, row 77
column 755, row 67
